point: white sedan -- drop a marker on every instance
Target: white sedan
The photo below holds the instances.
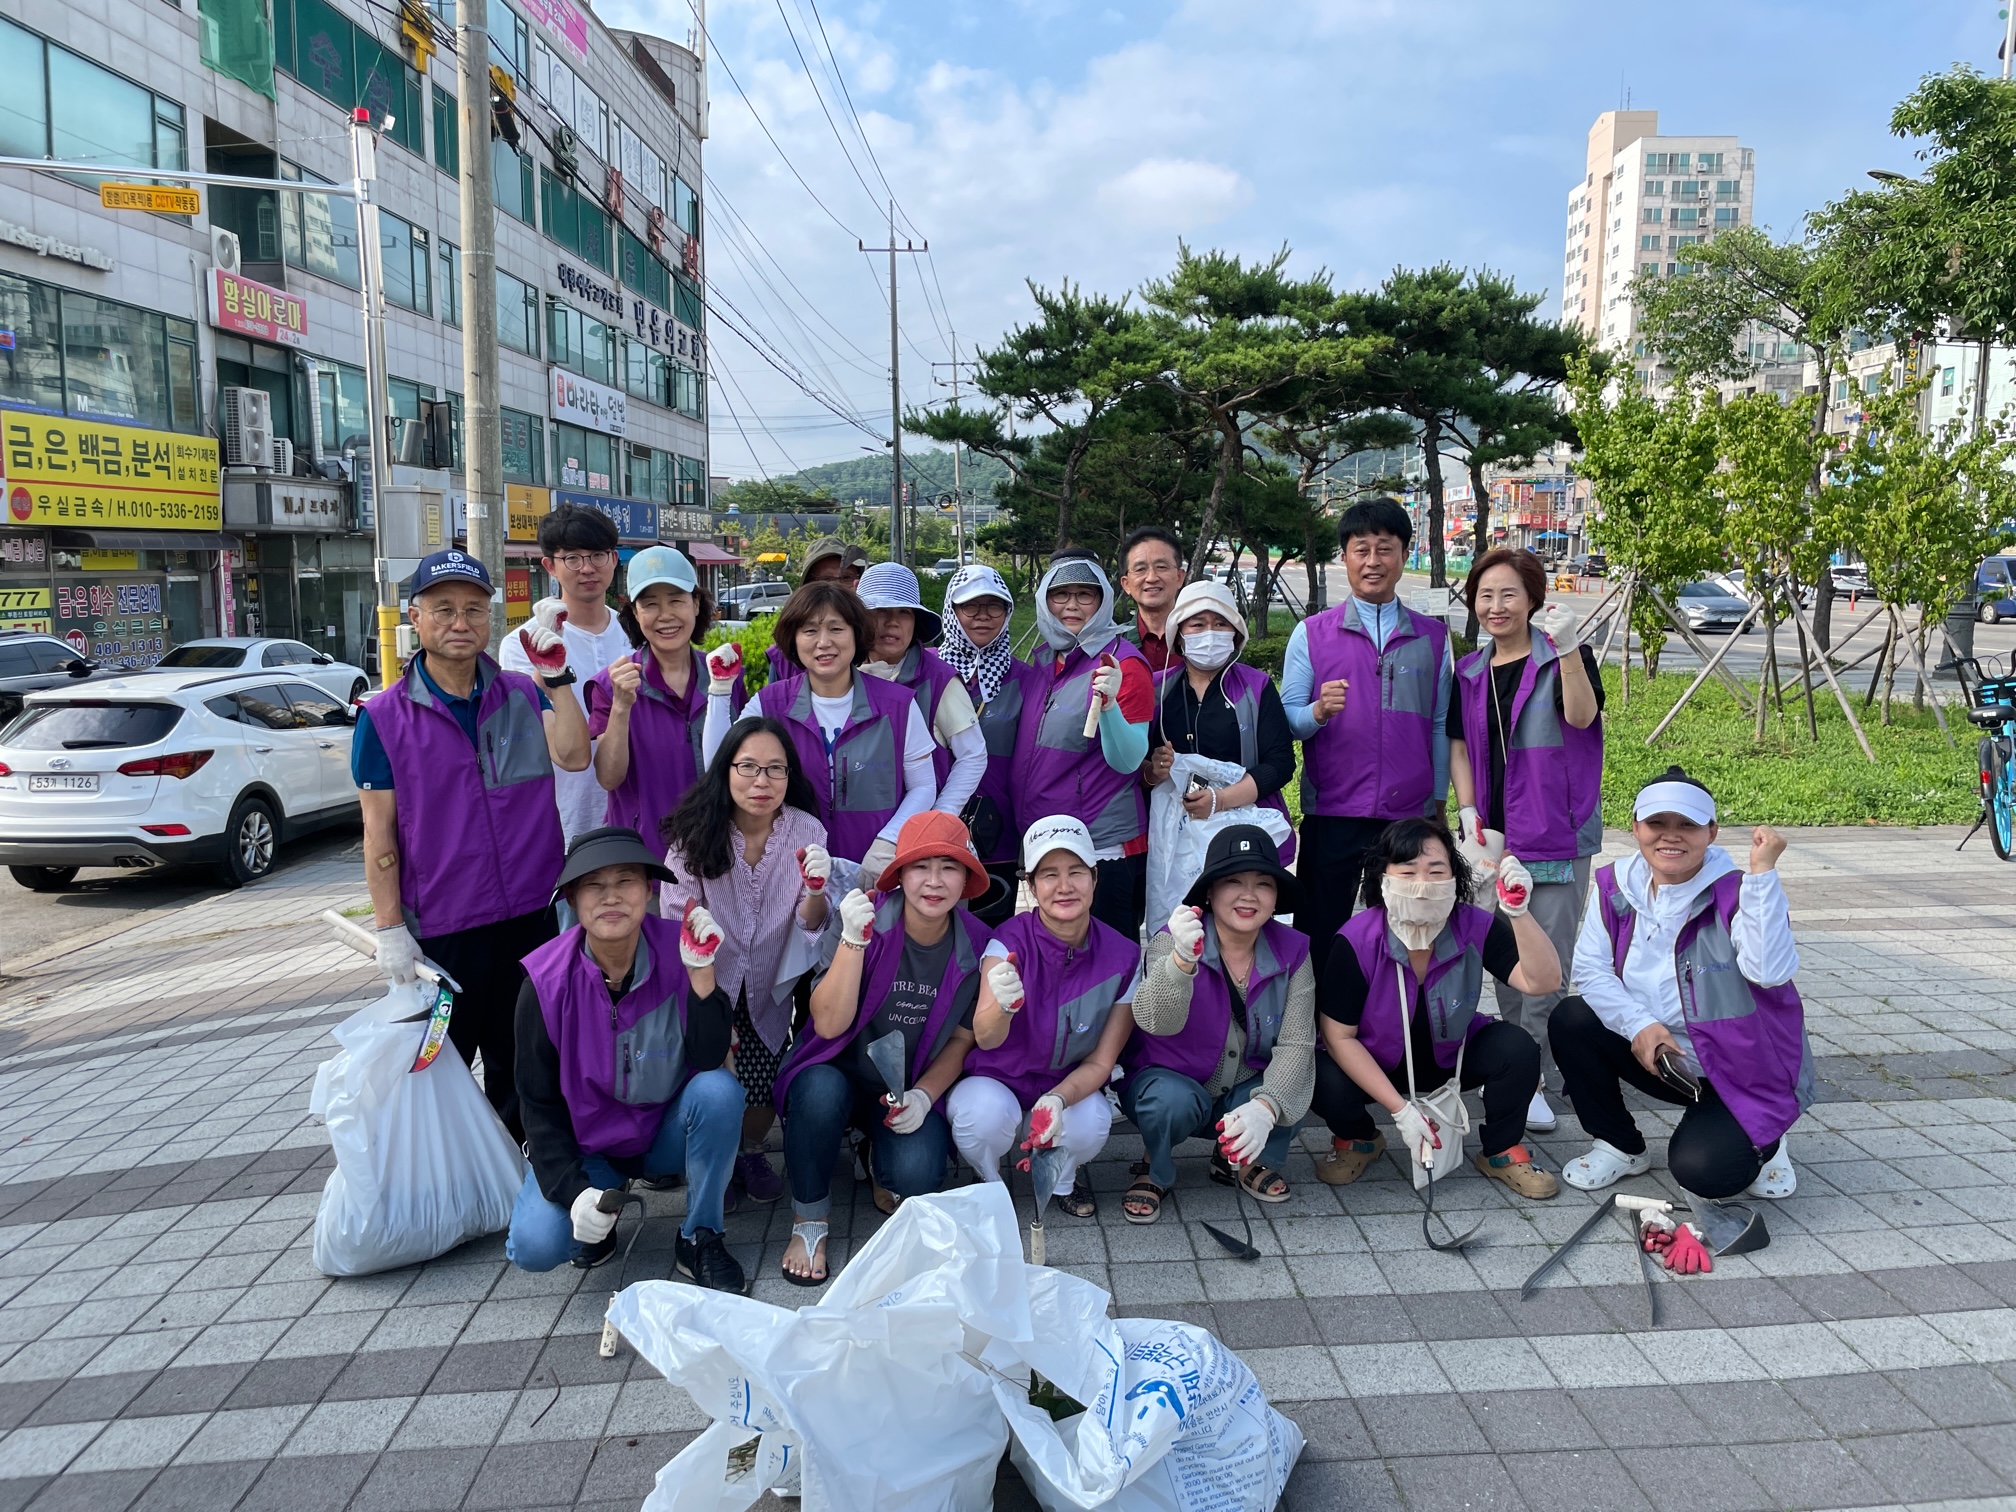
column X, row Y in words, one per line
column 159, row 768
column 222, row 653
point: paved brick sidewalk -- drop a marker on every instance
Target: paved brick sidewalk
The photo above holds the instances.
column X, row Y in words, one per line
column 164, row 1341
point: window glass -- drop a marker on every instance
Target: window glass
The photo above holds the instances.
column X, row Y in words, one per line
column 524, row 446
column 517, row 315
column 342, row 396
column 275, row 656
column 51, row 656
column 92, row 726
column 204, row 656
column 408, row 264
column 511, row 178
column 115, row 361
column 98, row 116
column 24, row 103
column 312, row 706
column 449, row 266
column 15, row 661
column 320, row 233
column 265, row 706
column 586, row 458
column 447, row 133
column 685, row 208
column 31, row 373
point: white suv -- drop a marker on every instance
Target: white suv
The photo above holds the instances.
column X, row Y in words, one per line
column 748, row 600
column 169, row 767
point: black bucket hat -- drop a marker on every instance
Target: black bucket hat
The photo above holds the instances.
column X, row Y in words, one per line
column 1243, row 848
column 611, row 845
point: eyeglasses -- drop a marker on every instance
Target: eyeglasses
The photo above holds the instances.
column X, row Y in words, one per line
column 989, row 608
column 749, row 771
column 1084, row 597
column 574, row 561
column 442, row 615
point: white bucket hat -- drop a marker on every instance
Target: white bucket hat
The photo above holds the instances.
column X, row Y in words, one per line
column 1195, row 599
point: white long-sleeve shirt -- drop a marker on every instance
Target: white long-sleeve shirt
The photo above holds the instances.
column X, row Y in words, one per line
column 957, row 729
column 1648, row 991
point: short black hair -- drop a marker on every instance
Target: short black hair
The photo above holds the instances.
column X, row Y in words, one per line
column 1146, row 534
column 1380, row 516
column 1402, row 841
column 576, row 527
column 818, row 598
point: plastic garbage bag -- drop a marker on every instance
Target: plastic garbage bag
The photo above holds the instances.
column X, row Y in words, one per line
column 1177, row 843
column 423, row 1163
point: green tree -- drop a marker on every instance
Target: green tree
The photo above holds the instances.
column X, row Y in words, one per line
column 1323, row 426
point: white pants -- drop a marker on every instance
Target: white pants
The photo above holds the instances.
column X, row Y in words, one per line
column 986, row 1117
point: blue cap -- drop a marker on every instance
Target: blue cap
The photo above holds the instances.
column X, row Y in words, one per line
column 660, row 564
column 449, row 566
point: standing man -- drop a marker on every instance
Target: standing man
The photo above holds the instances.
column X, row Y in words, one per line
column 454, row 765
column 577, row 546
column 1366, row 686
column 1151, row 574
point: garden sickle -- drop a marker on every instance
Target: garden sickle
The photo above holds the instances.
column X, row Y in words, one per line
column 1620, row 1200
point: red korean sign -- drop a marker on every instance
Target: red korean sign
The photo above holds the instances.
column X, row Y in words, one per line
column 257, row 310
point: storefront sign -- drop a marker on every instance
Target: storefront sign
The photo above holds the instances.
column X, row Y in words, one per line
column 648, row 323
column 257, row 310
column 120, row 624
column 588, row 290
column 57, row 471
column 584, row 402
column 55, row 246
column 227, row 601
column 564, row 20
column 92, row 559
column 25, row 609
column 636, row 519
column 685, row 523
column 517, row 596
column 23, row 551
column 524, row 507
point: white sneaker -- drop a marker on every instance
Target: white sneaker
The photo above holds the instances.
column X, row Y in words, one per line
column 1604, row 1165
column 1539, row 1117
column 1777, row 1179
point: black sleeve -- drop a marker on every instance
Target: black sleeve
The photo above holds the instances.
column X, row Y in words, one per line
column 1341, row 995
column 556, row 1154
column 1276, row 745
column 710, row 1026
column 1452, row 726
column 1589, row 664
column 1501, row 948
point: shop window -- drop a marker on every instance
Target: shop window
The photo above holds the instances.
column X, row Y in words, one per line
column 517, row 315
column 319, row 233
column 524, row 446
column 408, row 261
column 349, row 66
column 80, row 355
column 586, row 459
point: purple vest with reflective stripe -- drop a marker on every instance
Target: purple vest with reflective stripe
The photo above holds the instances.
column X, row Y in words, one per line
column 780, row 669
column 1449, row 996
column 1196, row 1049
column 1059, row 771
column 621, row 1062
column 664, row 745
column 1376, row 759
column 1553, row 771
column 925, row 674
column 1242, row 685
column 1751, row 1040
column 1070, row 991
column 479, row 836
column 992, row 814
column 878, row 975
column 860, row 783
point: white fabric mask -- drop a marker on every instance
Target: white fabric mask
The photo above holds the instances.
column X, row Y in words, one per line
column 1208, row 650
column 1417, row 909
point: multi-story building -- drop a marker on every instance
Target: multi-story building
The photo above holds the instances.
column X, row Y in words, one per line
column 150, row 363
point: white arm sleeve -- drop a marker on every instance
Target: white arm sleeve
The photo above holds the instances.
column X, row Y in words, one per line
column 955, row 714
column 969, row 765
column 720, row 715
column 1766, row 953
column 920, row 776
column 1597, row 980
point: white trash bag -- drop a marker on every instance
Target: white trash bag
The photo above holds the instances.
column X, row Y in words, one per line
column 1177, row 843
column 423, row 1163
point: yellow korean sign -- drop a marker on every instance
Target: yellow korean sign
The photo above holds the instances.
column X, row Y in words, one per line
column 25, row 609
column 94, row 560
column 58, row 471
column 524, row 506
column 161, row 198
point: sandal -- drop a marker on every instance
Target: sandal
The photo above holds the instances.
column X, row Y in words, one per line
column 1142, row 1202
column 1262, row 1183
column 1078, row 1202
column 1348, row 1159
column 886, row 1201
column 811, row 1234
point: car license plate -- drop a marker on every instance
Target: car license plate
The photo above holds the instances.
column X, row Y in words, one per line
column 62, row 782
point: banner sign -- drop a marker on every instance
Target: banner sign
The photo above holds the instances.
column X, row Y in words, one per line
column 59, row 471
column 524, row 507
column 587, row 403
column 257, row 310
column 636, row 519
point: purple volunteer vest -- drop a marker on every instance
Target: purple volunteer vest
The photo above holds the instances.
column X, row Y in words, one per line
column 859, row 783
column 1196, row 1049
column 1241, row 685
column 1376, row 759
column 992, row 814
column 1070, row 991
column 1751, row 1040
column 1448, row 996
column 621, row 1063
column 479, row 836
column 664, row 744
column 878, row 975
column 927, row 677
column 1058, row 770
column 779, row 668
column 1553, row 771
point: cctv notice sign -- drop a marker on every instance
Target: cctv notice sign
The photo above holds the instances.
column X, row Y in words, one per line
column 59, row 471
column 162, row 199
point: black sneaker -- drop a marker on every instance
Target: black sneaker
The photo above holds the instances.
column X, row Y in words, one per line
column 705, row 1261
column 597, row 1253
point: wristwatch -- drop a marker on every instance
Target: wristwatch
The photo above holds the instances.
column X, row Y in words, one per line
column 558, row 679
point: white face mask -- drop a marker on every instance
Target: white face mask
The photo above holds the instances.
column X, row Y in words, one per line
column 1208, row 650
column 1417, row 910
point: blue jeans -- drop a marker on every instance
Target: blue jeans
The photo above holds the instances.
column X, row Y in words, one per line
column 698, row 1136
column 1168, row 1107
column 822, row 1102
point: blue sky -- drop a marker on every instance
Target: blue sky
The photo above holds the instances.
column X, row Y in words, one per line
column 1045, row 139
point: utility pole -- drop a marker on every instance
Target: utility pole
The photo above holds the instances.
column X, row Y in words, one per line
column 898, row 537
column 483, row 437
column 364, row 168
column 958, row 489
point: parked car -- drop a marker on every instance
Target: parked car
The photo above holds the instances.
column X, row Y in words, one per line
column 1995, row 586
column 1850, row 580
column 943, row 567
column 1595, row 565
column 243, row 652
column 31, row 661
column 1707, row 605
column 163, row 768
column 748, row 600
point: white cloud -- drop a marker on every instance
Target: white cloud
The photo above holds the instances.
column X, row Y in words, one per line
column 1175, row 194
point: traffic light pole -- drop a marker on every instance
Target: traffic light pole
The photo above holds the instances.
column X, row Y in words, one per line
column 364, row 165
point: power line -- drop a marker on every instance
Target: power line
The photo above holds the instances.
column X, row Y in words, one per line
column 813, row 84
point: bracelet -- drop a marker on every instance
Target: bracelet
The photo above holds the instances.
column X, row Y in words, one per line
column 851, row 945
column 1214, row 805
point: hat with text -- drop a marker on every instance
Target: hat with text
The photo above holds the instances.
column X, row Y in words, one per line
column 1058, row 832
column 447, row 567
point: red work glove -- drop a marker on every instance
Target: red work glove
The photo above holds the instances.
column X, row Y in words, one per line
column 724, row 665
column 544, row 645
column 814, row 867
column 1685, row 1254
column 699, row 936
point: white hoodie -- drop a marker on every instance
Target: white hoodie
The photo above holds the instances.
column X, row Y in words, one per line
column 1648, row 992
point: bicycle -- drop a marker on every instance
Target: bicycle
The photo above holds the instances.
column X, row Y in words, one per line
column 1991, row 708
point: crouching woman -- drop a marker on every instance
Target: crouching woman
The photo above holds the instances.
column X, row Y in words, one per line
column 622, row 1044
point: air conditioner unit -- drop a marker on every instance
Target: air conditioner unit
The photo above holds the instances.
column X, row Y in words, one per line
column 283, row 456
column 224, row 249
column 248, row 427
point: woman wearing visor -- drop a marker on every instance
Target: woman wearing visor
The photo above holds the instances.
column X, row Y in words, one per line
column 975, row 646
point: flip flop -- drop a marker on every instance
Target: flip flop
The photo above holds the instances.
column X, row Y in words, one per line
column 813, row 1236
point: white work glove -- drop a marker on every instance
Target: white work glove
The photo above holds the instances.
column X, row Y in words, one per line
column 815, row 867
column 857, row 919
column 1106, row 682
column 1242, row 1133
column 699, row 936
column 907, row 1117
column 1046, row 1121
column 544, row 645
column 1005, row 982
column 1186, row 928
column 1561, row 625
column 398, row 955
column 1467, row 825
column 880, row 854
column 724, row 665
column 1481, row 847
column 591, row 1224
column 1421, row 1135
column 1515, row 887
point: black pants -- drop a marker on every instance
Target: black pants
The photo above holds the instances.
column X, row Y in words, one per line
column 1709, row 1154
column 1122, row 895
column 1330, row 861
column 485, row 960
column 1501, row 1058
